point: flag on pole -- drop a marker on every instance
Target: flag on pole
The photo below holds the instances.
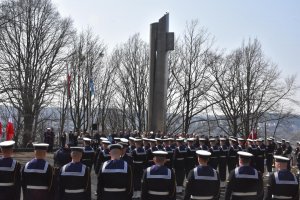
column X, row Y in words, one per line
column 253, row 135
column 9, row 129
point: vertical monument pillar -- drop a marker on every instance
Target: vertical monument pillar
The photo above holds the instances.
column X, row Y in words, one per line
column 161, row 41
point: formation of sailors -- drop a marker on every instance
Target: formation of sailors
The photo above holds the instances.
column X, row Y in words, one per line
column 153, row 169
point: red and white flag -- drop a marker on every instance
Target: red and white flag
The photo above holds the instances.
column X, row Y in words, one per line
column 9, row 129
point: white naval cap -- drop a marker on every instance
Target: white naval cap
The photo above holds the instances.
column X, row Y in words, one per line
column 203, row 153
column 86, row 139
column 7, row 144
column 281, row 158
column 160, row 153
column 40, row 146
column 244, row 154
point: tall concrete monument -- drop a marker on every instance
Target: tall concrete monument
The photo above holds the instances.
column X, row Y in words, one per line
column 161, row 41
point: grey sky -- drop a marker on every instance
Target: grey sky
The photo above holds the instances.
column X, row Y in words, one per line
column 275, row 23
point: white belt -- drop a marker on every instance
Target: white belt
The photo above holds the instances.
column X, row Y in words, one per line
column 281, row 197
column 232, row 156
column 37, row 187
column 213, row 157
column 201, row 197
column 179, row 158
column 114, row 189
column 260, row 156
column 158, row 193
column 6, row 184
column 244, row 193
column 222, row 156
column 139, row 162
column 74, row 191
column 190, row 157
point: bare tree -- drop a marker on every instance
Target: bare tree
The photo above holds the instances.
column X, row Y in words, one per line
column 32, row 45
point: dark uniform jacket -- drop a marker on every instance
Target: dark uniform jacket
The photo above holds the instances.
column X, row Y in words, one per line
column 244, row 183
column 88, row 156
column 282, row 185
column 150, row 155
column 10, row 179
column 191, row 158
column 37, row 180
column 169, row 158
column 74, row 182
column 62, row 156
column 203, row 182
column 158, row 184
column 103, row 156
column 115, row 181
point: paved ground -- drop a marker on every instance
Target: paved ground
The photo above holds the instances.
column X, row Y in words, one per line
column 25, row 157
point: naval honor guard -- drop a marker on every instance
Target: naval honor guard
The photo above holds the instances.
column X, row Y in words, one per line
column 115, row 177
column 74, row 178
column 282, row 184
column 244, row 182
column 10, row 187
column 158, row 180
column 203, row 181
column 38, row 176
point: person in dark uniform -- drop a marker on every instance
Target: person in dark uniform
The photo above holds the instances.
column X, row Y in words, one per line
column 179, row 157
column 74, row 178
column 190, row 161
column 215, row 153
column 245, row 182
column 169, row 150
column 270, row 148
column 62, row 156
column 232, row 154
column 288, row 153
column 88, row 153
column 49, row 138
column 260, row 158
column 203, row 181
column 124, row 155
column 252, row 148
column 278, row 151
column 103, row 155
column 242, row 146
column 146, row 144
column 38, row 176
column 223, row 160
column 149, row 152
column 202, row 145
column 283, row 144
column 297, row 155
column 10, row 176
column 159, row 144
column 131, row 144
column 282, row 184
column 115, row 177
column 139, row 157
column 158, row 180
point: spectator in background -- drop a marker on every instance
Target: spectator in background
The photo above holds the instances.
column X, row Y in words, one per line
column 29, row 145
column 49, row 139
column 63, row 139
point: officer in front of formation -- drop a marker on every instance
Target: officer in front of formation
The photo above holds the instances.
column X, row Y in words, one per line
column 244, row 182
column 282, row 184
column 115, row 177
column 158, row 180
column 203, row 181
column 38, row 176
column 270, row 148
column 10, row 176
column 88, row 153
column 74, row 178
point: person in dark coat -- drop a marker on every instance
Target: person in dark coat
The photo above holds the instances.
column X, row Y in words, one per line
column 158, row 180
column 169, row 150
column 124, row 155
column 282, row 184
column 215, row 153
column 38, row 176
column 223, row 160
column 102, row 155
column 232, row 154
column 245, row 182
column 115, row 177
column 10, row 176
column 62, row 156
column 74, row 179
column 269, row 153
column 260, row 158
column 203, row 181
column 49, row 139
column 190, row 161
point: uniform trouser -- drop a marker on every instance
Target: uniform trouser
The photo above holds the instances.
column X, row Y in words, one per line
column 179, row 172
column 75, row 196
column 190, row 164
column 222, row 168
column 244, row 198
column 269, row 162
column 231, row 164
column 32, row 194
column 260, row 164
column 213, row 162
column 115, row 196
column 8, row 193
column 138, row 170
